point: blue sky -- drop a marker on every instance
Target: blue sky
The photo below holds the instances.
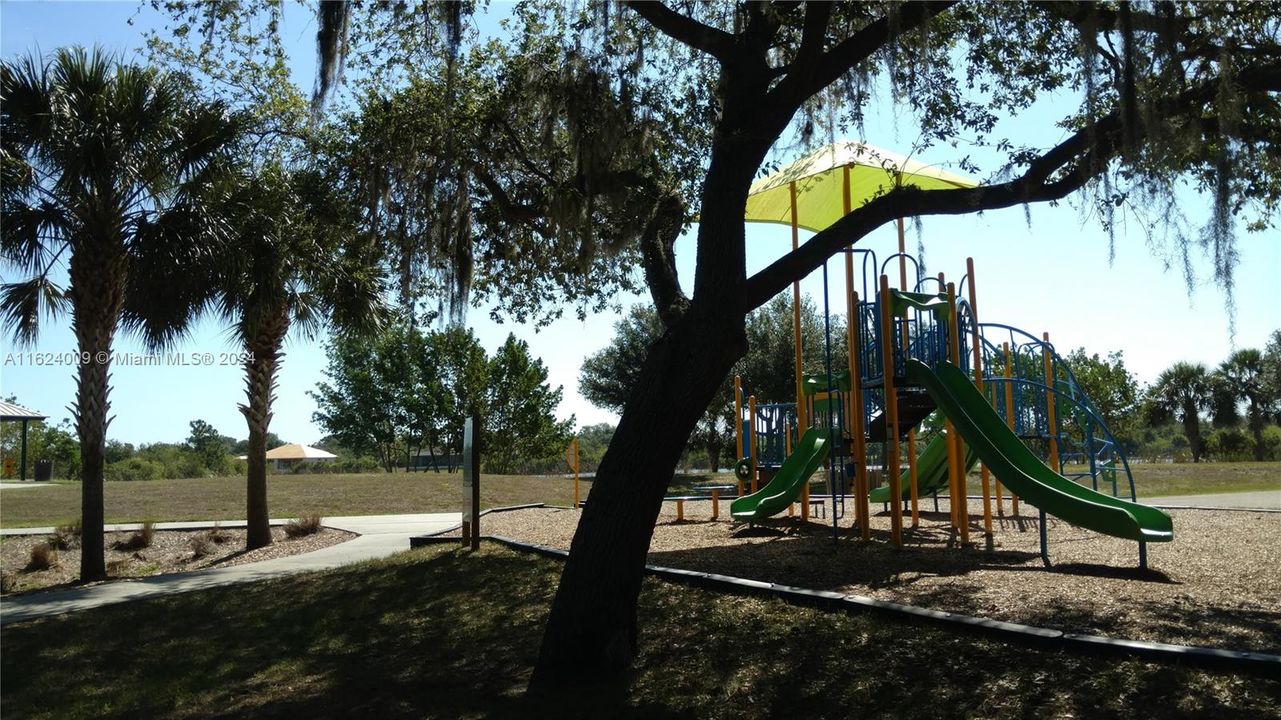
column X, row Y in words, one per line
column 1053, row 276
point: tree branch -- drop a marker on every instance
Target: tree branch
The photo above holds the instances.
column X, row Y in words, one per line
column 684, row 29
column 797, row 87
column 817, row 17
column 659, row 260
column 1072, row 164
column 512, row 210
column 1098, row 18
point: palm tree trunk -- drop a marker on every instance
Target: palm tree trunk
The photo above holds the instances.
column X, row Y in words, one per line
column 1256, row 427
column 97, row 294
column 264, row 350
column 1192, row 429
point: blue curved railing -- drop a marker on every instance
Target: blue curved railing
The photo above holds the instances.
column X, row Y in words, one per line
column 1098, row 445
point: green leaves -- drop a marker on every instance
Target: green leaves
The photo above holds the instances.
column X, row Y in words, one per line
column 404, row 391
column 521, row 420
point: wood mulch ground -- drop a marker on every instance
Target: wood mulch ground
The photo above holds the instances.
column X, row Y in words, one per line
column 170, row 551
column 1218, row 584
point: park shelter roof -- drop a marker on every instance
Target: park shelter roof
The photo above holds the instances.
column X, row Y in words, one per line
column 820, row 183
column 294, row 451
column 9, row 411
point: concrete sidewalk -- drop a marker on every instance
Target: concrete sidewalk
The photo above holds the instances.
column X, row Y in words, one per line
column 380, row 536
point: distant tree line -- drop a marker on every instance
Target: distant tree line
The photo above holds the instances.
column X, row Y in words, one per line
column 1232, row 412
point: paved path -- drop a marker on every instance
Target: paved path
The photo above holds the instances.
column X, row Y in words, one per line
column 1262, row 499
column 380, row 535
column 20, row 485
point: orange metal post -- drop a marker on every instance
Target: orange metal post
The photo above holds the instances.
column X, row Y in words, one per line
column 802, row 422
column 1049, row 403
column 680, row 510
column 1009, row 412
column 958, row 453
column 891, row 414
column 976, row 342
column 861, row 510
column 716, row 503
column 854, row 411
column 751, row 411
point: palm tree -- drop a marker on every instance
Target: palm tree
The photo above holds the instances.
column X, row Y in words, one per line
column 1242, row 379
column 298, row 265
column 107, row 168
column 1182, row 391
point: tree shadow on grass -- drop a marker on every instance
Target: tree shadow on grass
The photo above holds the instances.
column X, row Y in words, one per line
column 443, row 633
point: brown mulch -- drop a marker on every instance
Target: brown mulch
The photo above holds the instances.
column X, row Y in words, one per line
column 1218, row 584
column 171, row 551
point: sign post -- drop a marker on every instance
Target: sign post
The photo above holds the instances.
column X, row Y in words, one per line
column 471, row 485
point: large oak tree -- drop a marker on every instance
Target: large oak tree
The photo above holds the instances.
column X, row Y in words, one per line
column 1148, row 95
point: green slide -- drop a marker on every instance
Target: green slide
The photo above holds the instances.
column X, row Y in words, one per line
column 783, row 489
column 1023, row 472
column 931, row 471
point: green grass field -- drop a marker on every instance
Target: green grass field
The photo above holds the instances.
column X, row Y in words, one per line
column 1157, row 480
column 382, row 493
column 440, row 633
column 223, row 498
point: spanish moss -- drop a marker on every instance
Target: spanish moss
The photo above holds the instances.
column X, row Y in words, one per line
column 331, row 42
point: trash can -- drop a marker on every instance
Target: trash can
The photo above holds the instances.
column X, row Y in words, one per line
column 44, row 470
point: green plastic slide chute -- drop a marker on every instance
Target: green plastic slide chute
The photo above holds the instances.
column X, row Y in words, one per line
column 785, row 487
column 931, row 471
column 1020, row 470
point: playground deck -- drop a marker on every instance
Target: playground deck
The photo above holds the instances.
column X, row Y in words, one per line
column 1214, row 591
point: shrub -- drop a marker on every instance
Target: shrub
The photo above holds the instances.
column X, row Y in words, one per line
column 201, row 546
column 217, row 535
column 306, row 524
column 141, row 538
column 66, row 537
column 134, row 468
column 43, row 557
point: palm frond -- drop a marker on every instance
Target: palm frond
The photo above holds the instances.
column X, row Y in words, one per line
column 33, row 235
column 22, row 304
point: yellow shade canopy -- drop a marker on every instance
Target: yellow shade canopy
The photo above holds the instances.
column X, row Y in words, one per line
column 820, row 183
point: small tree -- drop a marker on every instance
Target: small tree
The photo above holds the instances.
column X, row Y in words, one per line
column 211, row 447
column 1181, row 392
column 361, row 404
column 1241, row 379
column 521, row 422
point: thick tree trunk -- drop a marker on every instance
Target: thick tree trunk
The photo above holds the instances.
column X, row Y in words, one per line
column 263, row 347
column 591, row 634
column 97, row 294
column 1256, row 421
column 592, row 628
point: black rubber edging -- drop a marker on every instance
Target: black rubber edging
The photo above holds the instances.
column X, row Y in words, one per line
column 433, row 538
column 1236, row 661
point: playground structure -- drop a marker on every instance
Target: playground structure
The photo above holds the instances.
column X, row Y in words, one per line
column 929, row 391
